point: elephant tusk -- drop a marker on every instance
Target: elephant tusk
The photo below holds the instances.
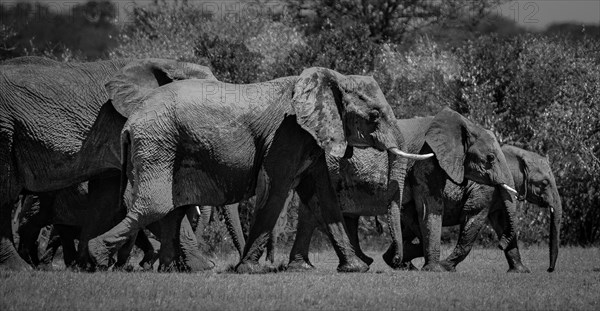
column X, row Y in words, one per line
column 198, row 210
column 509, row 189
column 552, row 210
column 403, row 154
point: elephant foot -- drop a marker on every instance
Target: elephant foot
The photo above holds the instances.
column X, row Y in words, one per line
column 366, row 259
column 123, row 268
column 393, row 260
column 518, row 269
column 197, row 263
column 449, row 266
column 148, row 261
column 249, row 267
column 300, row 266
column 10, row 259
column 434, row 267
column 99, row 256
column 353, row 266
column 407, row 266
column 15, row 264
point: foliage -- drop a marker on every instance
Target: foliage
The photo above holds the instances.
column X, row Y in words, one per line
column 542, row 93
column 419, row 82
column 86, row 30
column 230, row 62
column 387, row 20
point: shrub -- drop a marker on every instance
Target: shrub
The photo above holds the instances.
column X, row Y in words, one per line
column 542, row 93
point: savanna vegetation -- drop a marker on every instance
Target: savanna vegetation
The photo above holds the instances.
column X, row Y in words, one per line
column 536, row 90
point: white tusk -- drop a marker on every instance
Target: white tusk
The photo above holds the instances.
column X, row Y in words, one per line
column 198, row 210
column 552, row 210
column 508, row 188
column 403, row 154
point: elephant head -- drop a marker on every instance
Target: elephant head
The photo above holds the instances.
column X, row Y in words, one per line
column 342, row 112
column 465, row 150
column 535, row 182
column 128, row 87
column 361, row 117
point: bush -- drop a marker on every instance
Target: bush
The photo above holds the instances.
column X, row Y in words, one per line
column 419, row 82
column 542, row 94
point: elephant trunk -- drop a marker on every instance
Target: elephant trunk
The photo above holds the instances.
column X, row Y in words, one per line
column 555, row 222
column 396, row 175
column 510, row 229
column 234, row 226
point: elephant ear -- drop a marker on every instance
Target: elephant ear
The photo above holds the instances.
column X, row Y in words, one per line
column 317, row 102
column 447, row 137
column 130, row 85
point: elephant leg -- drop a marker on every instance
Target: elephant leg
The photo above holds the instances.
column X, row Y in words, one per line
column 430, row 216
column 498, row 221
column 334, row 222
column 9, row 194
column 105, row 212
column 150, row 254
column 51, row 248
column 67, row 236
column 410, row 231
column 234, row 226
column 123, row 254
column 28, row 242
column 352, row 226
column 279, row 228
column 266, row 216
column 306, row 226
column 470, row 227
column 199, row 218
column 9, row 257
column 178, row 246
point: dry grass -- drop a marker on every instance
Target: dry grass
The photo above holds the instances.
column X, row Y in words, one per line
column 480, row 283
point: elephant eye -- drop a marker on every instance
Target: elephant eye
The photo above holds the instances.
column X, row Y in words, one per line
column 491, row 158
column 374, row 115
column 545, row 182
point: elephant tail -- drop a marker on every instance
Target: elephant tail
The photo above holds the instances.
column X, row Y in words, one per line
column 125, row 150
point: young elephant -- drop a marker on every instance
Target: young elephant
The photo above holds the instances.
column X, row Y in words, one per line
column 533, row 180
column 463, row 151
column 204, row 142
column 66, row 210
column 58, row 128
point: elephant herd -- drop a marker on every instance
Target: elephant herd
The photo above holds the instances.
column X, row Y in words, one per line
column 106, row 151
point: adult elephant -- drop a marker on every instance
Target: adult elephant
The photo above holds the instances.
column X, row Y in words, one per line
column 58, row 128
column 463, row 152
column 534, row 182
column 210, row 143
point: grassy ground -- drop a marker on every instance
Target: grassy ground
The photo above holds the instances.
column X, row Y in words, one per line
column 480, row 283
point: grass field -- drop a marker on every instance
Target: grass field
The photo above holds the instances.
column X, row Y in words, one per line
column 480, row 283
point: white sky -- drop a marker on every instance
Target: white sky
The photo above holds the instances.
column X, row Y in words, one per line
column 532, row 14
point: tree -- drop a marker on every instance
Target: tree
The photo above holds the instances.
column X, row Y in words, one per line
column 388, row 20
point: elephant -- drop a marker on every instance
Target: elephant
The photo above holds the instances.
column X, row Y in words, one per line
column 534, row 182
column 465, row 153
column 206, row 142
column 58, row 128
column 66, row 210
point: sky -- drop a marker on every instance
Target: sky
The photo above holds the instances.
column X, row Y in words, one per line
column 536, row 14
